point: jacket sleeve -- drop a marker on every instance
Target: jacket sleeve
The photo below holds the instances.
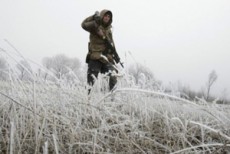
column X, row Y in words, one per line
column 89, row 24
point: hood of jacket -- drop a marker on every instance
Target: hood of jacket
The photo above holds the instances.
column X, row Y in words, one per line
column 105, row 11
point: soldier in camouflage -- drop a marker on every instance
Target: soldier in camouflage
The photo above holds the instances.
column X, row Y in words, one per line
column 98, row 58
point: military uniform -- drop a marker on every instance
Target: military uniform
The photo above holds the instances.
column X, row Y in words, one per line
column 97, row 48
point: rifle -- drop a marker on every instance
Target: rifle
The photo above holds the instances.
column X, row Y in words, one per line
column 114, row 52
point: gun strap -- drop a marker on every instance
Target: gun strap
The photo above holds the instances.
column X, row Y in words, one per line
column 89, row 51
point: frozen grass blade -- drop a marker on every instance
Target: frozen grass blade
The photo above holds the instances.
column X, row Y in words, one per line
column 55, row 144
column 200, row 146
column 45, row 148
column 212, row 130
column 12, row 137
column 1, row 137
column 94, row 142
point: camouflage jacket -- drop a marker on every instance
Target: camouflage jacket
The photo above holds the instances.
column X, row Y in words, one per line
column 97, row 44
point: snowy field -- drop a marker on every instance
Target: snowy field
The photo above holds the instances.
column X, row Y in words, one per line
column 47, row 117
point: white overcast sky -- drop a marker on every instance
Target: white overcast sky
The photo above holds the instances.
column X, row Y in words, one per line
column 180, row 40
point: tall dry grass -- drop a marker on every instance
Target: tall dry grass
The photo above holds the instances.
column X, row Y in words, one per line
column 39, row 116
column 47, row 117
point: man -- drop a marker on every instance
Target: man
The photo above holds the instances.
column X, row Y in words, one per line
column 99, row 57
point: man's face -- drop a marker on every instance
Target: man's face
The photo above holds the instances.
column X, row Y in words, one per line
column 106, row 18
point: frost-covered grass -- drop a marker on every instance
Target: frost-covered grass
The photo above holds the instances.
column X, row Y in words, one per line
column 43, row 117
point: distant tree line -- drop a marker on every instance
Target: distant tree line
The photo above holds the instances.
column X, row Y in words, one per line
column 70, row 69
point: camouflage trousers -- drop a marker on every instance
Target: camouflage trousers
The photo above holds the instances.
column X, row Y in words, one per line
column 95, row 67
